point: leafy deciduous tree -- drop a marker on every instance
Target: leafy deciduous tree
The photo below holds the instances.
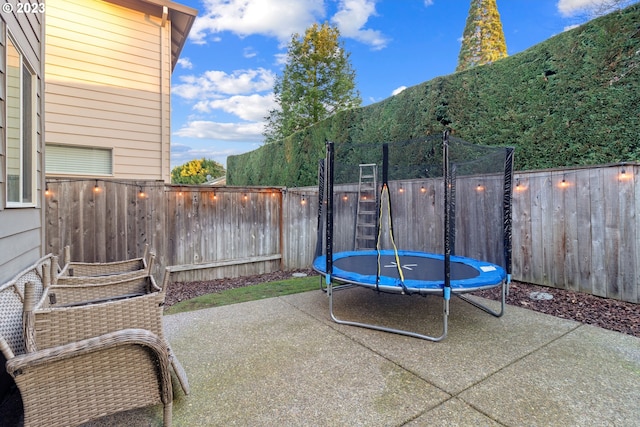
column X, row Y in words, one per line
column 317, row 81
column 196, row 172
column 483, row 39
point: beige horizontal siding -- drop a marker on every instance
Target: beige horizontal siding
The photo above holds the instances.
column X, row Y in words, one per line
column 103, row 98
column 109, row 120
column 105, row 84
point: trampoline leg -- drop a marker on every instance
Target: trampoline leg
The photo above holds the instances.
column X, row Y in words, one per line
column 482, row 307
column 445, row 317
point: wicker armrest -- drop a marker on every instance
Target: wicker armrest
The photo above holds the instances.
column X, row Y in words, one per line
column 124, row 370
column 16, row 365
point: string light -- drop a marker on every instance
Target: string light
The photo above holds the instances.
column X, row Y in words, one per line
column 46, row 190
column 623, row 176
column 563, row 183
column 479, row 187
column 345, row 197
column 96, row 188
column 141, row 193
column 401, row 190
column 303, row 201
column 422, row 189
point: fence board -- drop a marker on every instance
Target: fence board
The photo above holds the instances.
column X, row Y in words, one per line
column 612, row 237
column 583, row 234
column 598, row 271
column 521, row 217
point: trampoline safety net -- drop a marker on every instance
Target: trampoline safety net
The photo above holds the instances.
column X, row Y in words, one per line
column 430, row 216
column 439, row 198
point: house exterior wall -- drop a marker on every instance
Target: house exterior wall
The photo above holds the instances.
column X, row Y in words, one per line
column 107, row 73
column 21, row 228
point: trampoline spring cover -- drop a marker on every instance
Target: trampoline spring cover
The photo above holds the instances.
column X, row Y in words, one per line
column 423, row 272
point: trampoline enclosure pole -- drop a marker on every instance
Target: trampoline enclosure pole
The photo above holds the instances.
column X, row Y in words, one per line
column 447, row 190
column 329, row 213
column 507, row 210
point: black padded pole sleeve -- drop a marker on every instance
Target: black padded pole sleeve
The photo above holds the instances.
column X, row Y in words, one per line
column 506, row 206
column 447, row 219
column 321, row 187
column 329, row 230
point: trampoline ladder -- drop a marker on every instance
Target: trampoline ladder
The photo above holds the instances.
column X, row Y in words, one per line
column 367, row 208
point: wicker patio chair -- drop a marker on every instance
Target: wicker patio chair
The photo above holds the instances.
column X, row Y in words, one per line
column 70, row 273
column 71, row 384
column 100, row 308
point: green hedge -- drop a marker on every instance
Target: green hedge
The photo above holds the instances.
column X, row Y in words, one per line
column 572, row 100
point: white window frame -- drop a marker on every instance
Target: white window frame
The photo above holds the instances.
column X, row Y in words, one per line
column 24, row 64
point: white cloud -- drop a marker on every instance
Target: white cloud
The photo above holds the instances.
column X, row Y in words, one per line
column 570, row 8
column 428, row 3
column 203, row 129
column 245, row 94
column 252, row 107
column 352, row 16
column 398, row 90
column 249, row 52
column 283, row 18
column 274, row 18
column 185, row 63
column 217, row 84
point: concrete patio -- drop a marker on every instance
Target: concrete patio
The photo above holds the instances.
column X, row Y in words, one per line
column 282, row 361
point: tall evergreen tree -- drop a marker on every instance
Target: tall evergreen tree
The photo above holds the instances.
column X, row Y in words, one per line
column 483, row 39
column 317, row 81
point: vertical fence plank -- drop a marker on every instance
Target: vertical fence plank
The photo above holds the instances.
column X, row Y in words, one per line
column 628, row 235
column 612, row 242
column 598, row 285
column 635, row 212
column 538, row 186
column 581, row 233
column 522, row 229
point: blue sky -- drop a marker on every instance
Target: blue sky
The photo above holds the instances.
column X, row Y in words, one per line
column 222, row 87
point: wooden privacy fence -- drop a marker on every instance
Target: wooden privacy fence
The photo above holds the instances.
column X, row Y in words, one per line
column 572, row 229
column 199, row 232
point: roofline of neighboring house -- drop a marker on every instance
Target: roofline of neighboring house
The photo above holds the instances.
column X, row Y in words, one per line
column 221, row 180
column 182, row 18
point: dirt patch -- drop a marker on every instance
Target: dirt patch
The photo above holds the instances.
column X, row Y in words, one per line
column 603, row 312
column 606, row 313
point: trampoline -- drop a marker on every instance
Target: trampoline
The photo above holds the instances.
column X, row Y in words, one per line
column 438, row 194
column 423, row 272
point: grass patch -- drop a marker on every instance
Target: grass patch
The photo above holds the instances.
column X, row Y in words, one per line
column 247, row 293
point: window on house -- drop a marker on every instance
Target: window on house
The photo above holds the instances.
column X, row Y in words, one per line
column 20, row 133
column 74, row 160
